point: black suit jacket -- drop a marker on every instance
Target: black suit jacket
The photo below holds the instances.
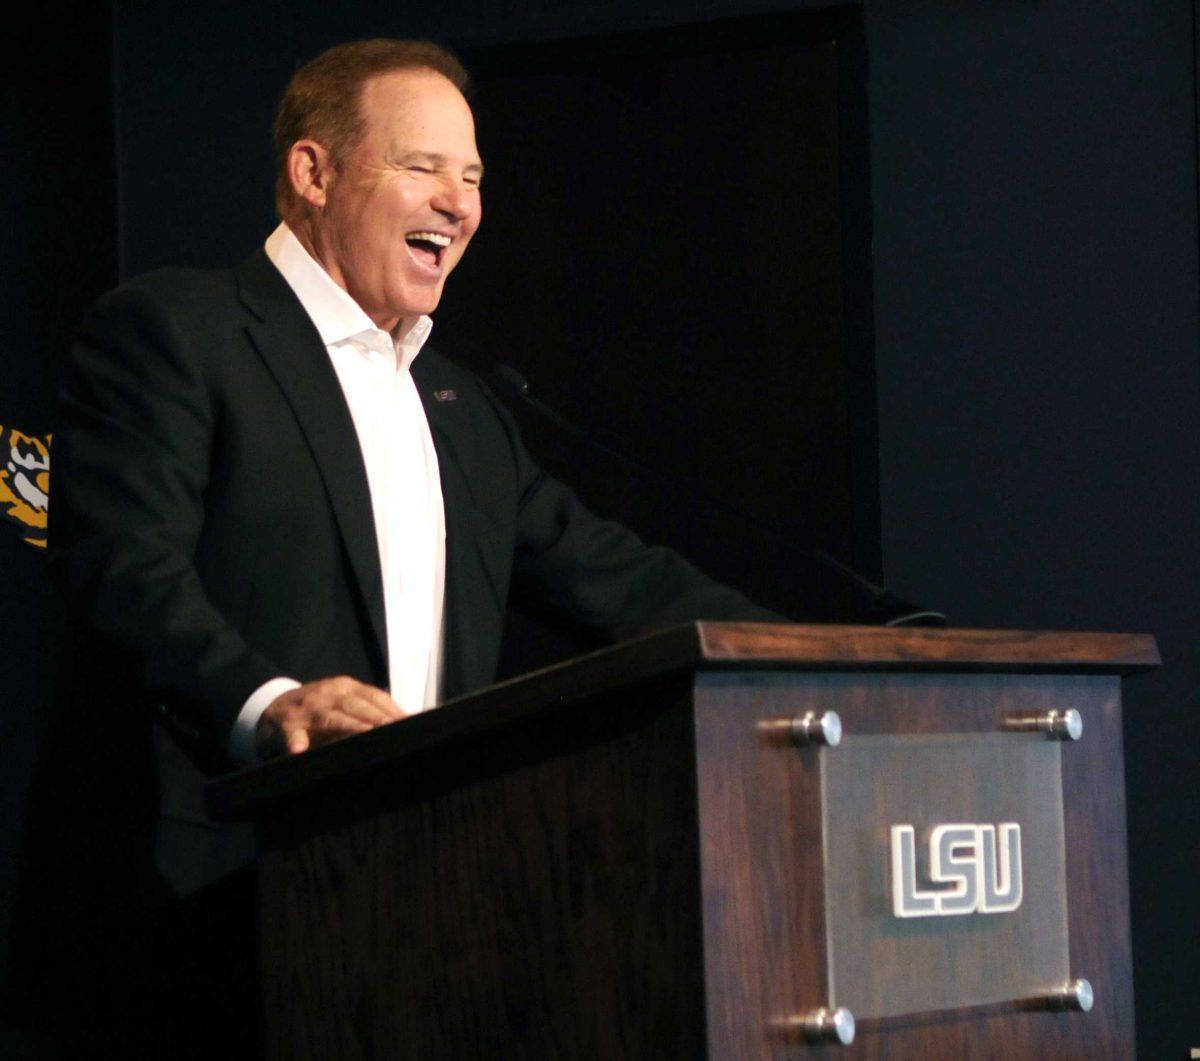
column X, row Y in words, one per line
column 212, row 517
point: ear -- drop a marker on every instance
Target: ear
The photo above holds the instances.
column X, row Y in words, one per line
column 311, row 172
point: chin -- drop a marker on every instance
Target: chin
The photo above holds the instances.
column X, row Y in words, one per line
column 416, row 303
column 423, row 307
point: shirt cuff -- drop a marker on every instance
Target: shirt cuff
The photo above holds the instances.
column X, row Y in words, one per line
column 243, row 740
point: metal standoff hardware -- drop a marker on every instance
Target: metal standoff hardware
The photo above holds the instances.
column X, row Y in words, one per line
column 1075, row 995
column 811, row 728
column 1057, row 725
column 829, row 1026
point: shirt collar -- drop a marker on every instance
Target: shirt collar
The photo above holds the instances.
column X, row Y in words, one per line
column 336, row 315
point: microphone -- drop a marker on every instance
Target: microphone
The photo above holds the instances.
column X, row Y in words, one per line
column 885, row 607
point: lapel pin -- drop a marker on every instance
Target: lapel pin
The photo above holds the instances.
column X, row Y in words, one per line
column 445, row 396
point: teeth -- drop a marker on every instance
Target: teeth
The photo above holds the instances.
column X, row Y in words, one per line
column 436, row 238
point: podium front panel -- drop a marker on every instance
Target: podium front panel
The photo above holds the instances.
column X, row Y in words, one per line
column 763, row 848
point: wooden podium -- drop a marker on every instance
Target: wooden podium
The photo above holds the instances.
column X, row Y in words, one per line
column 623, row 856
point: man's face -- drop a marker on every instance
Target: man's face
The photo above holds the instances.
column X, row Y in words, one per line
column 401, row 207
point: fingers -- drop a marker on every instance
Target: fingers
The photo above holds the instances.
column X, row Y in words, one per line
column 323, row 711
column 382, row 701
column 368, row 704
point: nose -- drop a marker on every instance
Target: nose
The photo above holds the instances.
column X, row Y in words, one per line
column 455, row 199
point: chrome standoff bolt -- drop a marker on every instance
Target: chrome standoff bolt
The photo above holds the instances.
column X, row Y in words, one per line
column 826, row 1025
column 811, row 728
column 1075, row 995
column 1057, row 725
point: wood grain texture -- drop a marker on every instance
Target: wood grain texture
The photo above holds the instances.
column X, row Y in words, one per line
column 674, row 650
column 532, row 896
column 761, row 865
column 927, row 649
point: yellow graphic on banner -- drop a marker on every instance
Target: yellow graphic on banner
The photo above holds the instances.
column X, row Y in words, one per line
column 25, row 482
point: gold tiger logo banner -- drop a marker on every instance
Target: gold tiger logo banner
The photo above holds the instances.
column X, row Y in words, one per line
column 25, row 482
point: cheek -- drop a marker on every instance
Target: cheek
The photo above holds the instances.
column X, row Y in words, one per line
column 469, row 230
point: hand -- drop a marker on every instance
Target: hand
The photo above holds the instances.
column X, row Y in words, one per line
column 320, row 712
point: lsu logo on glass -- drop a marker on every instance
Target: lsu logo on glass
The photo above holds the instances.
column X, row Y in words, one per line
column 977, row 866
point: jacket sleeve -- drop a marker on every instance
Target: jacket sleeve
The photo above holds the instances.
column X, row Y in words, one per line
column 131, row 456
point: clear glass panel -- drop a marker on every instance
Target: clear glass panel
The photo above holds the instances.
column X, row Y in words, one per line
column 994, row 926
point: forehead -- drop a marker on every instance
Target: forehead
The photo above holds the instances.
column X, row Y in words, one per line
column 416, row 109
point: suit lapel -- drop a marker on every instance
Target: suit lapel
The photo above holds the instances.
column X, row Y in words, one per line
column 288, row 342
column 447, row 422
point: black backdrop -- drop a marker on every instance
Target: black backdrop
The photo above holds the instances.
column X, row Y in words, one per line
column 1034, row 185
column 57, row 254
column 662, row 255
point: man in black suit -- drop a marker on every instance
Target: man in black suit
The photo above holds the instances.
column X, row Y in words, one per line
column 232, row 445
column 282, row 517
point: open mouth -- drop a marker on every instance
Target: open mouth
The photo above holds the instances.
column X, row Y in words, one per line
column 427, row 247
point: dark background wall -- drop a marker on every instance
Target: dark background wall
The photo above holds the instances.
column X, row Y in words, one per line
column 662, row 257
column 1034, row 176
column 57, row 255
column 1034, row 183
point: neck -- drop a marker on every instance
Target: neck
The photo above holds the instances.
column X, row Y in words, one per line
column 308, row 234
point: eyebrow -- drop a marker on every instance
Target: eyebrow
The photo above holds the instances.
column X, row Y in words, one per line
column 475, row 168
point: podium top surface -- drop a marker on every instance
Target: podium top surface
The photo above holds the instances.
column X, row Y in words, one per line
column 694, row 646
column 918, row 648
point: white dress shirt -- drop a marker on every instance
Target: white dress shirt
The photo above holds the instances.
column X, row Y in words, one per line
column 402, row 473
